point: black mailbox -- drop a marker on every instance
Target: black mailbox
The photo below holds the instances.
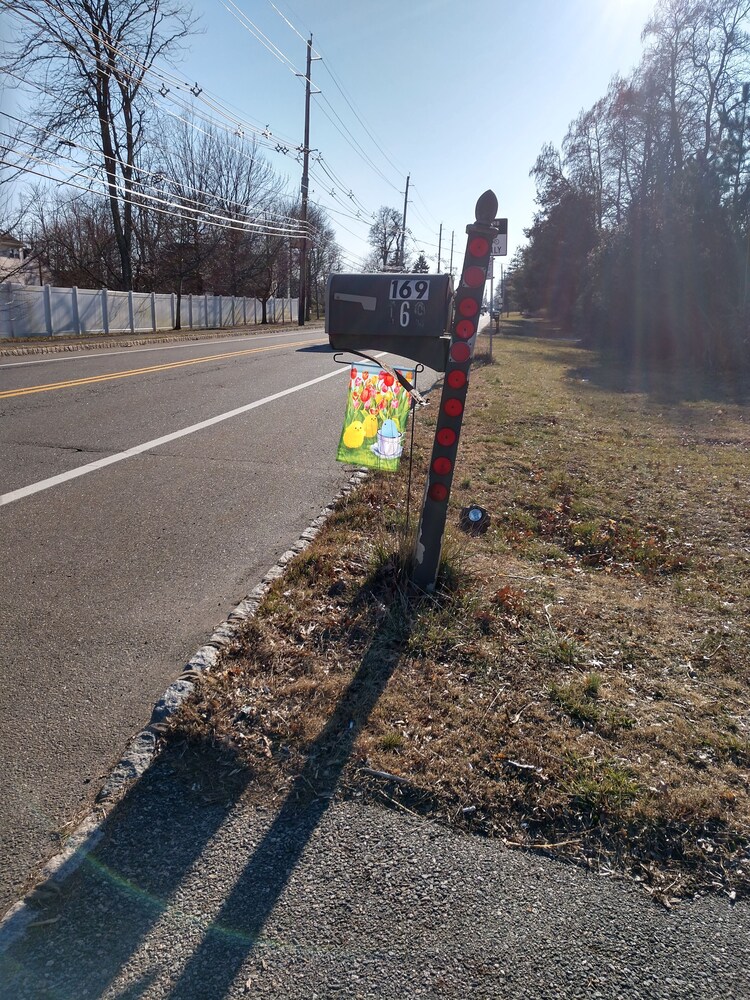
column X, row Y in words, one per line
column 404, row 314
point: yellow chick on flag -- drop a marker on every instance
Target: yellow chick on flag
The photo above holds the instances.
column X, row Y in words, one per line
column 354, row 435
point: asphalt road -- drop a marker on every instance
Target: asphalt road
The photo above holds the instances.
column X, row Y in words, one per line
column 113, row 578
column 192, row 895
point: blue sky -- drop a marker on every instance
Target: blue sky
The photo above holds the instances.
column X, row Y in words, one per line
column 459, row 96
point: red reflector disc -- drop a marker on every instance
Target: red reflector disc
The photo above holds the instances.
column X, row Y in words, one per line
column 456, row 379
column 474, row 276
column 442, row 466
column 453, row 407
column 479, row 246
column 438, row 492
column 468, row 308
column 460, row 352
column 446, row 437
column 465, row 329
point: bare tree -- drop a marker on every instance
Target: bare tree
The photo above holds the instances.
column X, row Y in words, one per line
column 179, row 227
column 248, row 192
column 383, row 237
column 696, row 52
column 270, row 259
column 208, row 202
column 72, row 239
column 90, row 60
column 13, row 210
column 584, row 149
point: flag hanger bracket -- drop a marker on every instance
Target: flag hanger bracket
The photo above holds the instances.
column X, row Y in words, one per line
column 417, row 398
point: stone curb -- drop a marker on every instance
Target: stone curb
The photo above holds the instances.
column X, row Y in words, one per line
column 144, row 747
column 49, row 347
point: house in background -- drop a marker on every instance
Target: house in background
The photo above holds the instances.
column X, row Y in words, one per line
column 17, row 262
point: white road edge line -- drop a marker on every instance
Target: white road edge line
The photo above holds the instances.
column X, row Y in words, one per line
column 101, row 463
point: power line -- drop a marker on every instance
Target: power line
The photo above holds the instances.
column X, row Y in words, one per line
column 264, row 40
column 341, row 128
column 288, row 22
column 339, row 86
column 359, row 119
column 185, row 121
column 426, row 207
column 158, row 174
column 167, row 80
column 177, row 211
column 264, row 137
column 178, row 92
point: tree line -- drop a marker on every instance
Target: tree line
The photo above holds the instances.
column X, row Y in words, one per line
column 141, row 199
column 641, row 241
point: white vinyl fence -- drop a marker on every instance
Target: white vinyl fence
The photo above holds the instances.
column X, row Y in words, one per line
column 46, row 311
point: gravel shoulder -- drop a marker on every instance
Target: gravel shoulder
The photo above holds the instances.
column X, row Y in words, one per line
column 198, row 889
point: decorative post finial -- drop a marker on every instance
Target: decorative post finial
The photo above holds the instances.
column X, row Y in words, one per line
column 486, row 208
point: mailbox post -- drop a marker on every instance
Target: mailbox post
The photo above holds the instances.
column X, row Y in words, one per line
column 453, row 399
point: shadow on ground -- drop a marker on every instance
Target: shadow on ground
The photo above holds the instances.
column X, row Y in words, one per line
column 315, row 349
column 156, row 840
column 664, row 382
column 665, row 385
column 89, row 925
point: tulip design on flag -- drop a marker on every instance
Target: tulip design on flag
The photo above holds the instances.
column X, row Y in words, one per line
column 377, row 410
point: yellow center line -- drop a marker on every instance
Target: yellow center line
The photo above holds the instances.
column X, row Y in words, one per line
column 91, row 380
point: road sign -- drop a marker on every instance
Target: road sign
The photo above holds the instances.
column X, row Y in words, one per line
column 500, row 242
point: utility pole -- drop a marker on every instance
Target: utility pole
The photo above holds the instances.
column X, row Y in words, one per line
column 450, row 269
column 305, row 187
column 403, row 230
column 440, row 244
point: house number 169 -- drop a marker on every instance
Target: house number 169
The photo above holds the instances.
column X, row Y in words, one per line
column 403, row 289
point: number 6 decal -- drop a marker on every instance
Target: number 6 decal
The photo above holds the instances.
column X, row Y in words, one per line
column 404, row 314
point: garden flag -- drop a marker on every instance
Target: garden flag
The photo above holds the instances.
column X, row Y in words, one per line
column 377, row 409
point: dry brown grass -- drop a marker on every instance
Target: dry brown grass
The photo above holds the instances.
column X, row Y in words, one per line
column 579, row 683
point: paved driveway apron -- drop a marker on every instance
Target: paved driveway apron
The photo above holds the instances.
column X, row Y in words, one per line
column 191, row 895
